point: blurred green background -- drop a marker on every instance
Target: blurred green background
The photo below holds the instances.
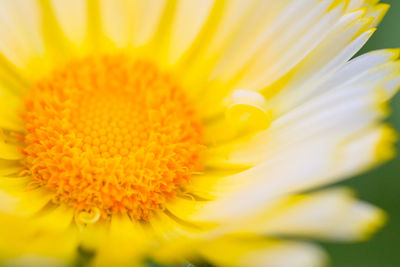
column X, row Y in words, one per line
column 380, row 186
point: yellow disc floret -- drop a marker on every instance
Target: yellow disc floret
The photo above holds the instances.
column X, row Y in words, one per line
column 111, row 133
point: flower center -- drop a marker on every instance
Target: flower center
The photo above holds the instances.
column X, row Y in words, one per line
column 112, row 134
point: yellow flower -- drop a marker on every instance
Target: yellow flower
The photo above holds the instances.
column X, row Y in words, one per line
column 184, row 131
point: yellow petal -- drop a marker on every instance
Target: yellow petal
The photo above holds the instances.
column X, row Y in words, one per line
column 22, row 201
column 125, row 242
column 10, row 151
column 248, row 111
column 57, row 219
column 10, row 108
column 39, row 241
column 9, row 167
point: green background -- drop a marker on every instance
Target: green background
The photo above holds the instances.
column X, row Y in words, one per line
column 380, row 186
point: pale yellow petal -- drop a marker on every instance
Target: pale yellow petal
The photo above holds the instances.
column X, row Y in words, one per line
column 187, row 24
column 258, row 252
column 116, row 17
column 34, row 260
column 249, row 191
column 72, row 17
column 330, row 214
column 22, row 41
column 349, row 100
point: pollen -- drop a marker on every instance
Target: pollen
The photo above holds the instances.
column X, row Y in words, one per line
column 112, row 134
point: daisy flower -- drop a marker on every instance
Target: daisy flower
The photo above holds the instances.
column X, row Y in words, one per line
column 187, row 131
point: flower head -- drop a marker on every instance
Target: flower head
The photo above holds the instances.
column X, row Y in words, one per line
column 187, row 130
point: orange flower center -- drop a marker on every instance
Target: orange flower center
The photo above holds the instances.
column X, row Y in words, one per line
column 111, row 134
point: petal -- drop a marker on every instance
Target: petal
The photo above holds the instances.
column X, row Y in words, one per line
column 132, row 25
column 248, row 192
column 186, row 25
column 270, row 61
column 59, row 218
column 9, row 167
column 310, row 83
column 329, row 214
column 307, row 34
column 34, row 260
column 124, row 243
column 9, row 151
column 246, row 112
column 36, row 240
column 350, row 100
column 10, row 107
column 21, row 39
column 17, row 199
column 116, row 21
column 72, row 18
column 220, row 34
column 377, row 68
column 260, row 252
column 22, row 42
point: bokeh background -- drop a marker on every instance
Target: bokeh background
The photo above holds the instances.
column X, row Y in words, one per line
column 380, row 186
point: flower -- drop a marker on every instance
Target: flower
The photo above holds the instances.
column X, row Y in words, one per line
column 188, row 130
